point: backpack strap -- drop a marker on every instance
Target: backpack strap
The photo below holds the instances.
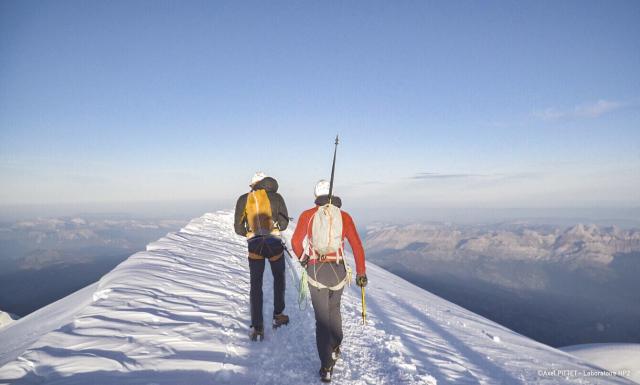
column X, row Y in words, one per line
column 310, row 251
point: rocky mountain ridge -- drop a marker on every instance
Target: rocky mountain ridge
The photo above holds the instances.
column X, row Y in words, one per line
column 584, row 243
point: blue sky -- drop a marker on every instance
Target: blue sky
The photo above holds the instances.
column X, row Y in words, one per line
column 438, row 104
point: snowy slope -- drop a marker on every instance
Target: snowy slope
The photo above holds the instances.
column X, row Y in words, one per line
column 621, row 359
column 19, row 335
column 178, row 314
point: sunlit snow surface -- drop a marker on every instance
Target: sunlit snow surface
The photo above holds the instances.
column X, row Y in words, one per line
column 178, row 314
column 622, row 359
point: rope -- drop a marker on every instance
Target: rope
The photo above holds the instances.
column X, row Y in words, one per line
column 303, row 291
column 303, row 288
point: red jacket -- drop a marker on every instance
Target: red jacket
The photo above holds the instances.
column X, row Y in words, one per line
column 348, row 231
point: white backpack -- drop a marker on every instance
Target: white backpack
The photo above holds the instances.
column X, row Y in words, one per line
column 326, row 231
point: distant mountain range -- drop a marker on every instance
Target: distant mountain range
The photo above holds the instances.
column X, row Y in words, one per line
column 515, row 273
column 38, row 243
column 42, row 260
column 585, row 243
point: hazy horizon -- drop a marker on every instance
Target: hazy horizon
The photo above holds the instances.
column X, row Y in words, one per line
column 625, row 217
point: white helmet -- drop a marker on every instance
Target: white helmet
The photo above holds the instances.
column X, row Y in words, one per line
column 322, row 188
column 257, row 177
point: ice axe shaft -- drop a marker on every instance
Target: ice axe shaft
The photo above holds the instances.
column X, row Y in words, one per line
column 333, row 169
column 364, row 307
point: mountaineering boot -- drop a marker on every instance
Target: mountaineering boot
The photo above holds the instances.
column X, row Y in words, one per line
column 335, row 354
column 279, row 320
column 325, row 374
column 257, row 333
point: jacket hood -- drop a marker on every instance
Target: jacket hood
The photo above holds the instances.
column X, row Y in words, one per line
column 324, row 199
column 269, row 184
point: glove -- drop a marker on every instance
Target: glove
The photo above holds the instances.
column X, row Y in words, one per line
column 304, row 261
column 361, row 280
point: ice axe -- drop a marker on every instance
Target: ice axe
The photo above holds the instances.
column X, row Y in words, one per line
column 333, row 168
column 364, row 307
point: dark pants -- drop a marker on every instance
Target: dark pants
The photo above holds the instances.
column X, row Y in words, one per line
column 256, row 269
column 326, row 306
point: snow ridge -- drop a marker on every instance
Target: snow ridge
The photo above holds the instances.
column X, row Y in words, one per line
column 177, row 313
column 6, row 318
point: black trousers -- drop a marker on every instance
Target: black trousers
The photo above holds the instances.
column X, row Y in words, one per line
column 326, row 306
column 256, row 270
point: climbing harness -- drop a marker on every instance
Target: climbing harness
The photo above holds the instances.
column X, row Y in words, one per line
column 345, row 281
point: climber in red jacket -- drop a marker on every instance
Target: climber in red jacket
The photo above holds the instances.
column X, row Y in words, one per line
column 327, row 272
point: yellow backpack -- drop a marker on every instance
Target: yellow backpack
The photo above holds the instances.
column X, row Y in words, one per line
column 259, row 215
